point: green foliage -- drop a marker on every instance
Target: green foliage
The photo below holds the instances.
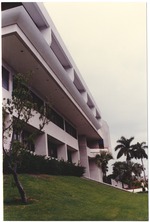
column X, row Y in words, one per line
column 62, row 198
column 139, row 150
column 137, row 169
column 35, row 164
column 136, row 184
column 125, row 148
column 102, row 160
column 126, row 172
column 136, row 151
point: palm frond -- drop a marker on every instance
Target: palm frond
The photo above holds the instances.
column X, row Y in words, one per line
column 120, row 153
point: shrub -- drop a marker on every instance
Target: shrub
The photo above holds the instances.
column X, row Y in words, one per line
column 68, row 168
column 35, row 164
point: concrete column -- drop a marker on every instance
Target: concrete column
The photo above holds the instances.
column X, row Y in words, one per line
column 41, row 145
column 75, row 157
column 62, row 152
column 95, row 172
column 83, row 155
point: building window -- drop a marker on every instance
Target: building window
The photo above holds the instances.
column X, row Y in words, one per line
column 101, row 143
column 16, row 136
column 38, row 103
column 5, row 78
column 25, row 139
column 28, row 141
column 8, row 5
column 54, row 117
column 69, row 156
column 52, row 149
column 70, row 129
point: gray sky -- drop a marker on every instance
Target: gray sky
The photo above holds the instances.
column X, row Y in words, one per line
column 108, row 44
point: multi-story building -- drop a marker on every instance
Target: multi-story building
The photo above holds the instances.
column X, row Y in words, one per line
column 31, row 43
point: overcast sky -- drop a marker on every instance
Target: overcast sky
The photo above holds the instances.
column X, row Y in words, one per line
column 108, row 44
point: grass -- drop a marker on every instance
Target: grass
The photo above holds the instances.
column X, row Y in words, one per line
column 57, row 198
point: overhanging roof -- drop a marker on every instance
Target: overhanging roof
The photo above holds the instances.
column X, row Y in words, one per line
column 30, row 52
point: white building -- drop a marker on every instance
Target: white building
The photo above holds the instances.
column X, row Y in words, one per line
column 31, row 43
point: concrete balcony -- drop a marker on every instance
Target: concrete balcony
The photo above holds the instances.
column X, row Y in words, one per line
column 93, row 152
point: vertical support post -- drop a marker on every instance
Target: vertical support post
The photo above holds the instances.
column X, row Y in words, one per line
column 62, row 152
column 83, row 155
column 41, row 145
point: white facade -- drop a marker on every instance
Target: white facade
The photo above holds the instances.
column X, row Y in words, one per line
column 31, row 43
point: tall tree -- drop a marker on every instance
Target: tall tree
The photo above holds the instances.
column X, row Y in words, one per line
column 125, row 148
column 122, row 171
column 139, row 153
column 126, row 172
column 102, row 162
column 118, row 171
column 17, row 111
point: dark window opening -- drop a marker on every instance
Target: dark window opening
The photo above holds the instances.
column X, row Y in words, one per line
column 52, row 149
column 25, row 138
column 28, row 140
column 16, row 136
column 8, row 5
column 70, row 129
column 38, row 103
column 69, row 156
column 101, row 143
column 54, row 117
column 5, row 78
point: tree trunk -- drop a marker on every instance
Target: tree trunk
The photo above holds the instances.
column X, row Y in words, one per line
column 16, row 179
column 143, row 169
column 19, row 187
column 104, row 178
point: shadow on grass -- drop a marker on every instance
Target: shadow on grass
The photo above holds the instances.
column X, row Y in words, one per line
column 18, row 202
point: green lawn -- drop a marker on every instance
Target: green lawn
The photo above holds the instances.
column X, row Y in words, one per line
column 71, row 198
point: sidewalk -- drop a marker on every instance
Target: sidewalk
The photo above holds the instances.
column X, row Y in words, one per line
column 136, row 190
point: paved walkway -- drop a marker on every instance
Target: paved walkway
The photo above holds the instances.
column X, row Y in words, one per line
column 137, row 190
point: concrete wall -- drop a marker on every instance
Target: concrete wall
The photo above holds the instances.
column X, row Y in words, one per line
column 95, row 172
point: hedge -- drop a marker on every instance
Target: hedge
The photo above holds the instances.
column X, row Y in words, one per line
column 31, row 163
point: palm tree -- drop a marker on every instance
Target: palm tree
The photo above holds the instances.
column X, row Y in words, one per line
column 139, row 153
column 125, row 148
column 102, row 162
